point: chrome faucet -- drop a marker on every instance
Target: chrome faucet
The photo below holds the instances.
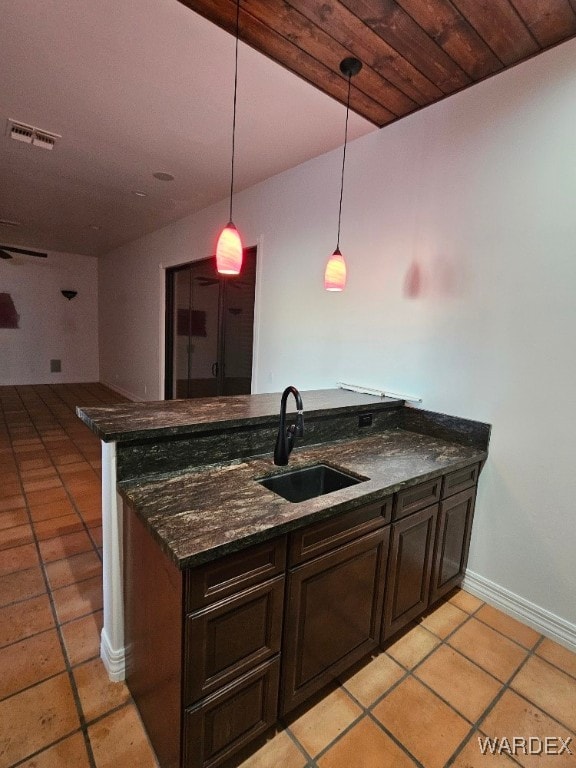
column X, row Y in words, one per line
column 285, row 438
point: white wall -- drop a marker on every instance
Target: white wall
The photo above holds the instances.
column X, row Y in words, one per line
column 459, row 233
column 50, row 326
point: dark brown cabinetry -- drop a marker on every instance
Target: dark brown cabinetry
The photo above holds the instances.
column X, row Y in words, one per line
column 217, row 652
column 231, row 656
column 333, row 615
column 429, row 545
column 409, row 569
column 452, row 542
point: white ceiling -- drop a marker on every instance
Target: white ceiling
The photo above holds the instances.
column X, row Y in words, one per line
column 135, row 88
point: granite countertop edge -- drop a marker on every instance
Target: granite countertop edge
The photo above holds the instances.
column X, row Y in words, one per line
column 162, row 420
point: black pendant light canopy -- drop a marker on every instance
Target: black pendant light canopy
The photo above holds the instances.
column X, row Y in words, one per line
column 335, row 273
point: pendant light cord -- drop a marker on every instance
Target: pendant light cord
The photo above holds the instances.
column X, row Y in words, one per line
column 234, row 111
column 343, row 163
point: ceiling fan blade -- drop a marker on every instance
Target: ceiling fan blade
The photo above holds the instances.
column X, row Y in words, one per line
column 5, row 248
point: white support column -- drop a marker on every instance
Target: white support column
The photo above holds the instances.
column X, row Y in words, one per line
column 112, row 639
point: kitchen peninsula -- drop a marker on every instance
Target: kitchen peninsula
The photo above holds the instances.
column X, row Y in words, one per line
column 228, row 585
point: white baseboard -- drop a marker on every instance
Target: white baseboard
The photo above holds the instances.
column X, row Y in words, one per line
column 533, row 615
column 121, row 391
column 114, row 660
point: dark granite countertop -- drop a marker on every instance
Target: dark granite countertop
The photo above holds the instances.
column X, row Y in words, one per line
column 199, row 515
column 129, row 421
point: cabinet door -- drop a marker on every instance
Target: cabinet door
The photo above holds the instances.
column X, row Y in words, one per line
column 409, row 568
column 333, row 615
column 452, row 542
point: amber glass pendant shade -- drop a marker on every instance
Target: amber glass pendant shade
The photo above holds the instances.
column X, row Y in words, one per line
column 229, row 251
column 335, row 274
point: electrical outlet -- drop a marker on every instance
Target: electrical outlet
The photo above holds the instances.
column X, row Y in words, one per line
column 365, row 420
column 55, row 366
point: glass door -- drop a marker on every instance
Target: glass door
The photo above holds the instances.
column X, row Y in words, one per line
column 209, row 329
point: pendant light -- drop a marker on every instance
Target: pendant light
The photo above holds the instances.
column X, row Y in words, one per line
column 335, row 274
column 229, row 245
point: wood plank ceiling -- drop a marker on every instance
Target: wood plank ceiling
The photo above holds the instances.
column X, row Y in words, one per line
column 414, row 52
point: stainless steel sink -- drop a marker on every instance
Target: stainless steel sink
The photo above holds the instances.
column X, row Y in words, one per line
column 308, row 482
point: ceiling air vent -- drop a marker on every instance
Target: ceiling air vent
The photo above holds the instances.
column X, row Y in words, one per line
column 29, row 134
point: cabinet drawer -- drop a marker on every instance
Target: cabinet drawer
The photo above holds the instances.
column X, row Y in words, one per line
column 228, row 720
column 231, row 637
column 211, row 582
column 325, row 535
column 417, row 497
column 460, row 480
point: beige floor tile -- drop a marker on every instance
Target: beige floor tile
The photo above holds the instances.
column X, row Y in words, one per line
column 549, row 688
column 36, row 718
column 61, row 573
column 78, row 599
column 57, row 526
column 472, row 756
column 444, row 620
column 30, row 661
column 120, row 740
column 424, row 724
column 365, row 746
column 373, row 679
column 412, row 647
column 488, row 648
column 462, row 684
column 68, row 753
column 513, row 717
column 21, row 585
column 278, row 751
column 82, row 637
column 16, row 536
column 558, row 655
column 18, row 559
column 21, row 620
column 320, row 725
column 513, row 629
column 65, row 546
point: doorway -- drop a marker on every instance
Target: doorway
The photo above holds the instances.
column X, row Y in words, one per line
column 209, row 329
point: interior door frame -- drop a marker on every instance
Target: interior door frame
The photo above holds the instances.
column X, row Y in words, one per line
column 169, row 299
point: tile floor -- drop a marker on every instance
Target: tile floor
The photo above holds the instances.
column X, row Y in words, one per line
column 463, row 672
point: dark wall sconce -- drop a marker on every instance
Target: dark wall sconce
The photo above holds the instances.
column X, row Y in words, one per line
column 69, row 294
